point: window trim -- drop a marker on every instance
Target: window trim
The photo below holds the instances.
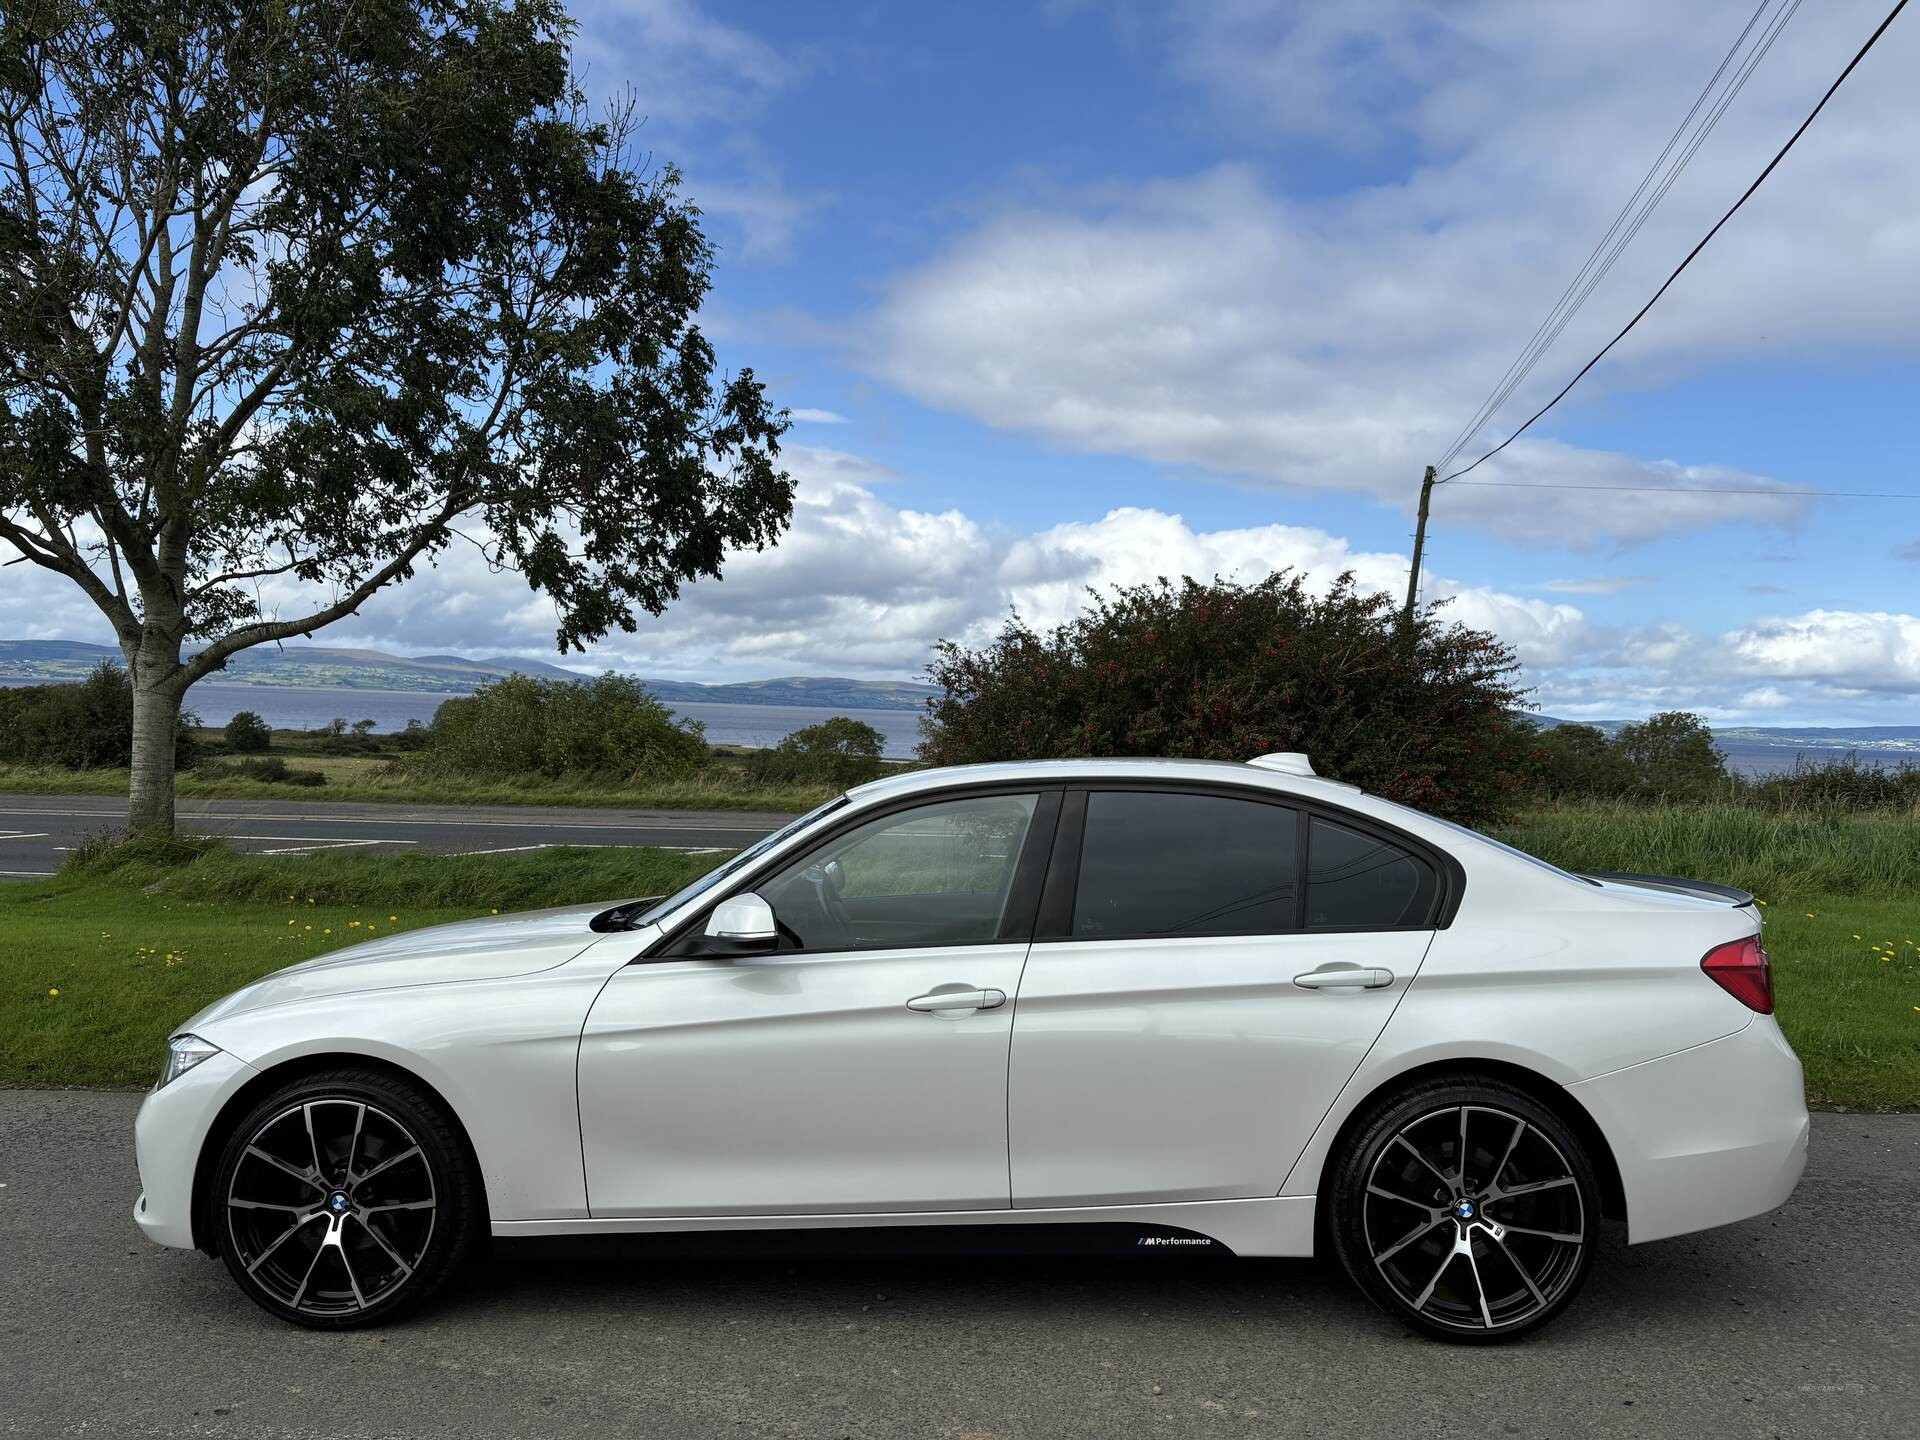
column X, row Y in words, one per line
column 1023, row 895
column 1054, row 922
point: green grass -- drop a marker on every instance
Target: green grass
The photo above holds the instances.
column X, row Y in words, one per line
column 135, row 947
column 102, row 932
column 1808, row 852
column 363, row 778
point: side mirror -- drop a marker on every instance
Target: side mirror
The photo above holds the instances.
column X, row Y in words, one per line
column 742, row 925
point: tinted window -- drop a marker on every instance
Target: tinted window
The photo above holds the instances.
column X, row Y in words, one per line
column 1157, row 863
column 936, row 875
column 1355, row 881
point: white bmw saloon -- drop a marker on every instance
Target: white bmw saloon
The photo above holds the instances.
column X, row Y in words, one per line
column 1182, row 1007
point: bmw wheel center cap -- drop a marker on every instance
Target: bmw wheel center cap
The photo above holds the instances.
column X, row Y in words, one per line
column 1465, row 1209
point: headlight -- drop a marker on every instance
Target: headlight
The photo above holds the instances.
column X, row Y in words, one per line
column 183, row 1053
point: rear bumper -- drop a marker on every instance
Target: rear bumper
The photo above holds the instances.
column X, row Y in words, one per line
column 1705, row 1137
column 168, row 1134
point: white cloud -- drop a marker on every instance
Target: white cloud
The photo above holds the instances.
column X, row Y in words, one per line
column 1339, row 341
column 863, row 586
column 806, row 415
column 1597, row 584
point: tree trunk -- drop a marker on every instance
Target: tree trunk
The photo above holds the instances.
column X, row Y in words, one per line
column 156, row 720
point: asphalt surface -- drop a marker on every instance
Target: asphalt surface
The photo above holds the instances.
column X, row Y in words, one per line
column 36, row 831
column 1802, row 1323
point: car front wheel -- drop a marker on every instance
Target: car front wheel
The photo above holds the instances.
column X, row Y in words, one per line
column 1467, row 1209
column 344, row 1198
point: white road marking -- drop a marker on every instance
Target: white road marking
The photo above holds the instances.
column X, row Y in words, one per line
column 36, row 874
column 188, row 816
column 555, row 845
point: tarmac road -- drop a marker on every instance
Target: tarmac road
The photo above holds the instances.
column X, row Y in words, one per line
column 1802, row 1323
column 37, row 830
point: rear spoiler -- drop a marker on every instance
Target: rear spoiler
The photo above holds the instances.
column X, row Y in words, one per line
column 1673, row 885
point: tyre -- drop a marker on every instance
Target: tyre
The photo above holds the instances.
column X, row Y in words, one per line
column 345, row 1198
column 1466, row 1209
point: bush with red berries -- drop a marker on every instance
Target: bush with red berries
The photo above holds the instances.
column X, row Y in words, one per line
column 1424, row 714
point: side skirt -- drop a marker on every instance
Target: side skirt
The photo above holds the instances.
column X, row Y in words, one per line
column 1282, row 1225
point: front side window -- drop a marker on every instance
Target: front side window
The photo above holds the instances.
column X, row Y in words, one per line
column 1356, row 881
column 1162, row 863
column 939, row 874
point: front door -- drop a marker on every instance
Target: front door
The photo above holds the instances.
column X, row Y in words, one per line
column 862, row 1067
column 1193, row 1014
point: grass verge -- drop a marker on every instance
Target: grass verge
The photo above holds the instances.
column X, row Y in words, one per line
column 134, row 944
column 361, row 778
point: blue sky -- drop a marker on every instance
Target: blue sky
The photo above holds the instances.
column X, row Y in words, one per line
column 1076, row 294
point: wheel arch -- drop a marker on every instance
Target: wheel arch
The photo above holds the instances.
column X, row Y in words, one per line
column 1550, row 1093
column 295, row 1068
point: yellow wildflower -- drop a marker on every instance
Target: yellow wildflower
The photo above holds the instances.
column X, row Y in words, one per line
column 55, row 993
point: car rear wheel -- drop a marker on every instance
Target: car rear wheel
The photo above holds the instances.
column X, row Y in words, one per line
column 1467, row 1209
column 343, row 1199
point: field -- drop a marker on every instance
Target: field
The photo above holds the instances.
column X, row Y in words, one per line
column 134, row 950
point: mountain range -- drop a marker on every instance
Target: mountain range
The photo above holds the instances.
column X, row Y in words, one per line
column 331, row 668
column 323, row 667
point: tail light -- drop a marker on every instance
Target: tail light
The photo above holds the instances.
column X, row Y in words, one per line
column 1741, row 969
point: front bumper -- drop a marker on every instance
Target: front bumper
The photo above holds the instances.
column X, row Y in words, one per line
column 168, row 1135
column 1705, row 1137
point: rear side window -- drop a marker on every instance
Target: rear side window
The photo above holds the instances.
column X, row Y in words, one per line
column 1158, row 863
column 1356, row 881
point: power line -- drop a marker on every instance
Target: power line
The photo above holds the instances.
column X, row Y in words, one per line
column 1698, row 490
column 1746, row 195
column 1567, row 305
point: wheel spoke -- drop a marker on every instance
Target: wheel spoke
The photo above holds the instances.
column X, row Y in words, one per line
column 1445, row 1181
column 285, row 1235
column 1479, row 1286
column 279, row 1164
column 1533, row 1187
column 1561, row 1235
column 269, row 1205
column 307, row 1278
column 353, row 1145
column 340, row 1244
column 381, row 1241
column 1513, row 1143
column 1427, row 1294
column 390, row 1162
column 313, row 1142
column 1402, row 1199
column 1460, row 1156
column 396, row 1205
column 1424, row 1228
column 1525, row 1274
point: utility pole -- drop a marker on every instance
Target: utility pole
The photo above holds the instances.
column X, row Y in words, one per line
column 1419, row 545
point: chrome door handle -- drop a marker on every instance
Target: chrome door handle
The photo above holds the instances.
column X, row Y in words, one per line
column 959, row 1000
column 1352, row 978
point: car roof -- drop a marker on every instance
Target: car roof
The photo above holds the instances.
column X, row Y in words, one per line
column 1117, row 768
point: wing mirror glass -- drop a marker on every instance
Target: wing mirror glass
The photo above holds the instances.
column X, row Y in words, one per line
column 742, row 924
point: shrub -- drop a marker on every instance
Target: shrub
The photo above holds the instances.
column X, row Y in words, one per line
column 84, row 725
column 1839, row 782
column 841, row 751
column 1671, row 756
column 1226, row 671
column 247, row 733
column 1578, row 762
column 522, row 725
column 268, row 768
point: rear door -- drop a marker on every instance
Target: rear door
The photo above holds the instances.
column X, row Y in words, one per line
column 1209, row 969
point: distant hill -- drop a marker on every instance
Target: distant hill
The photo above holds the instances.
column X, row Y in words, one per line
column 324, row 667
column 1791, row 737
